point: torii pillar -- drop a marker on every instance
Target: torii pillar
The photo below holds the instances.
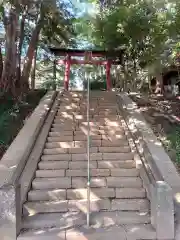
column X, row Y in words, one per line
column 108, row 75
column 67, row 73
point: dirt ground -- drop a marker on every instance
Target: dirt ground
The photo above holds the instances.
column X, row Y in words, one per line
column 163, row 114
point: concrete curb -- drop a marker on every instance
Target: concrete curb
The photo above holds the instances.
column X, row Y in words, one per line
column 12, row 165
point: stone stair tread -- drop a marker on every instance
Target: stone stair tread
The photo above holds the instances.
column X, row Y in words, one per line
column 124, row 182
column 52, row 220
column 59, row 134
column 51, row 183
column 50, row 173
column 96, row 205
column 53, row 165
column 83, row 156
column 47, row 195
column 116, row 164
column 94, row 172
column 74, row 219
column 57, row 157
column 30, row 208
column 81, row 193
column 45, row 234
column 135, row 232
column 123, row 172
column 125, row 149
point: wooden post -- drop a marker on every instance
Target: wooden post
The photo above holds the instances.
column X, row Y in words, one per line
column 108, row 76
column 67, row 73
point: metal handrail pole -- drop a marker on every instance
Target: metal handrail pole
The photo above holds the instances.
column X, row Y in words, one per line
column 88, row 154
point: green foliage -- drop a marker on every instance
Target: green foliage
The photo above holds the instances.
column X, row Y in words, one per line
column 148, row 30
column 174, row 138
column 12, row 115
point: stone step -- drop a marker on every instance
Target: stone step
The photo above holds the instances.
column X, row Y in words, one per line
column 93, row 173
column 51, row 183
column 55, row 151
column 118, row 156
column 84, row 137
column 93, row 143
column 45, row 234
column 57, row 157
column 82, row 165
column 80, row 182
column 81, row 193
column 64, row 121
column 47, row 195
column 61, row 129
column 123, row 172
column 50, row 173
column 115, row 143
column 76, row 157
column 58, row 165
column 101, row 123
column 60, row 139
column 64, row 127
column 71, row 144
column 65, row 116
column 95, row 193
column 114, row 137
column 67, row 144
column 61, row 134
column 97, row 205
column 128, row 164
column 109, row 132
column 124, row 149
column 127, row 182
column 141, row 205
column 73, row 219
column 80, row 150
column 130, row 232
column 83, row 157
column 53, row 165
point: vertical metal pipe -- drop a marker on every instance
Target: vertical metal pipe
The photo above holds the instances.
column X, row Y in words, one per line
column 88, row 154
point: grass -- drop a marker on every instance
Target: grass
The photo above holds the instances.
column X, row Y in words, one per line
column 13, row 115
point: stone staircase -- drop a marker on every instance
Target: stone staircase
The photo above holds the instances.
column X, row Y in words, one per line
column 56, row 205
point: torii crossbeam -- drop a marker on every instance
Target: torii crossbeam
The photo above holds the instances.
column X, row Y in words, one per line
column 115, row 58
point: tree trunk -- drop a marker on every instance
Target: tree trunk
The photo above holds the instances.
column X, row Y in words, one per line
column 33, row 75
column 8, row 78
column 1, row 62
column 159, row 83
column 30, row 54
column 134, row 80
column 21, row 39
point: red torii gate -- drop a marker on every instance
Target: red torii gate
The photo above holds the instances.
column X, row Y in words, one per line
column 111, row 58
